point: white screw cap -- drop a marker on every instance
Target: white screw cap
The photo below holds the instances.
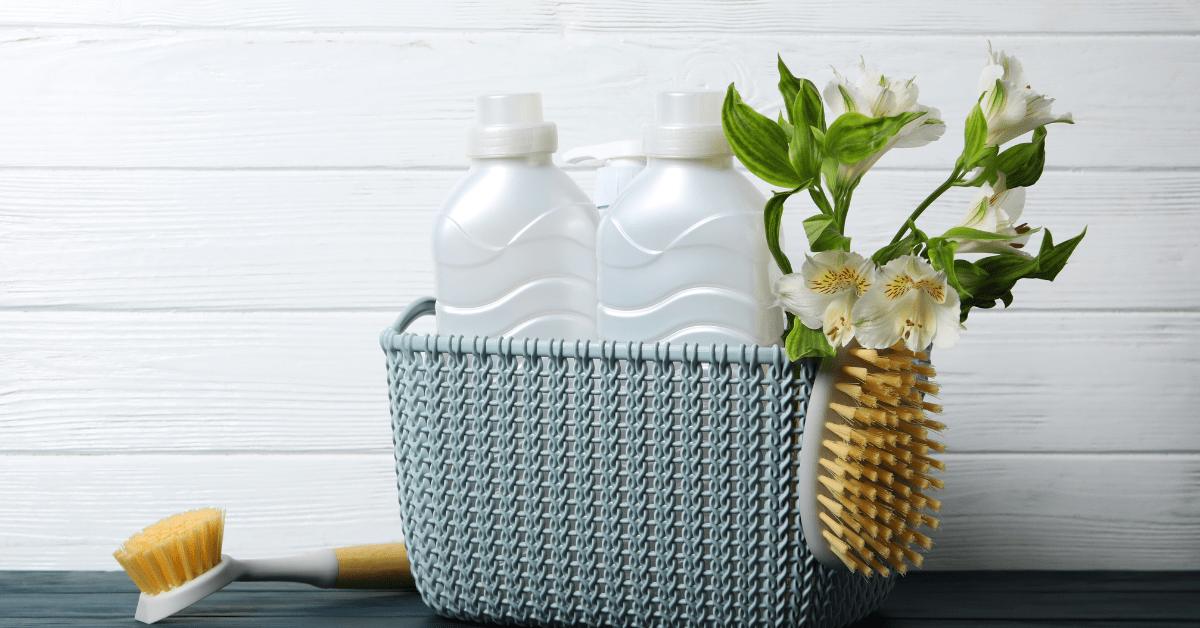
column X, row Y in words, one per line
column 687, row 124
column 508, row 125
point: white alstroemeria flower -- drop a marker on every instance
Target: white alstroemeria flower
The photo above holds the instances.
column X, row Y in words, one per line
column 877, row 96
column 1009, row 104
column 996, row 211
column 825, row 290
column 909, row 302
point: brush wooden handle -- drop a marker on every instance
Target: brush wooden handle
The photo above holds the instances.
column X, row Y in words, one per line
column 383, row 566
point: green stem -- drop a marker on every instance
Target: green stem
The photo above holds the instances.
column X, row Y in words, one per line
column 820, row 200
column 912, row 219
column 842, row 212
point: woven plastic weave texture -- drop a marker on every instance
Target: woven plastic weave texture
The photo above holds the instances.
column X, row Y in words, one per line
column 552, row 484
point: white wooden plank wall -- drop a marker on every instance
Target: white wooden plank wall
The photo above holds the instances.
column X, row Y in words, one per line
column 208, row 211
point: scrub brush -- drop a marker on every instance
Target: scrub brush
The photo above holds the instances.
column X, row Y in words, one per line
column 865, row 461
column 178, row 562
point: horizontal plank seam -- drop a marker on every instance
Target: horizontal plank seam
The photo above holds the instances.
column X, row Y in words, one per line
column 171, row 309
column 463, row 168
column 561, row 30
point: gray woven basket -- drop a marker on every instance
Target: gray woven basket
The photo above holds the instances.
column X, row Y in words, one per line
column 547, row 483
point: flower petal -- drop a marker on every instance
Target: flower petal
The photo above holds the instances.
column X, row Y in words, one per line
column 928, row 128
column 995, row 211
column 1012, row 108
column 842, row 96
column 798, row 299
column 979, row 215
column 948, row 325
column 823, row 293
column 876, row 319
column 1008, row 205
column 987, row 79
column 876, row 95
column 837, row 324
column 910, row 302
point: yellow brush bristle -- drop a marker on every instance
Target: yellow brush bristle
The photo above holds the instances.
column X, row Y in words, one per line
column 174, row 550
column 882, row 462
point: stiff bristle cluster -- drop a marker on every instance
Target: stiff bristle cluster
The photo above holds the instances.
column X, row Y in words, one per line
column 174, row 550
column 878, row 474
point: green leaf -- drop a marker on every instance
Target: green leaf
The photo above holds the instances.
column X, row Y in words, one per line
column 829, row 170
column 819, row 135
column 789, row 86
column 992, row 279
column 975, row 138
column 1022, row 164
column 805, row 155
column 988, row 173
column 989, row 280
column 785, row 125
column 757, row 141
column 967, row 233
column 808, row 106
column 824, row 234
column 853, row 137
column 969, row 275
column 803, row 342
column 772, row 217
column 1052, row 259
column 1003, row 271
column 903, row 247
column 941, row 256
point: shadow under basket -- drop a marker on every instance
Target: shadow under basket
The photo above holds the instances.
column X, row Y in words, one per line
column 554, row 483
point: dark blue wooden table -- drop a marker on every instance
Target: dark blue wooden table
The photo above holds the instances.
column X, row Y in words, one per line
column 973, row 599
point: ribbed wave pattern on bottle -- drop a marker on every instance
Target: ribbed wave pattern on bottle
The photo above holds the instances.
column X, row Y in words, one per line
column 538, row 284
column 707, row 285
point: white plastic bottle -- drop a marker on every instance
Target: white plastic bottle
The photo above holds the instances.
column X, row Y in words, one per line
column 682, row 252
column 514, row 244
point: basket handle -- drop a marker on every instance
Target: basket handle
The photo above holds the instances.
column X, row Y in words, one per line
column 423, row 306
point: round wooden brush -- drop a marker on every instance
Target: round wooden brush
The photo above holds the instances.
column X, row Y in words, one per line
column 867, row 458
column 178, row 562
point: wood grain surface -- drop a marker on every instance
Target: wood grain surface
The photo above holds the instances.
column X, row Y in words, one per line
column 270, row 240
column 1028, row 511
column 315, row 381
column 762, row 16
column 955, row 599
column 215, row 99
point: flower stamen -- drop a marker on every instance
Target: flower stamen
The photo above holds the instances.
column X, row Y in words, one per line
column 897, row 287
column 936, row 291
column 834, row 281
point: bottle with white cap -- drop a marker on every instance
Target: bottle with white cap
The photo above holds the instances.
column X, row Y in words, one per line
column 514, row 243
column 682, row 253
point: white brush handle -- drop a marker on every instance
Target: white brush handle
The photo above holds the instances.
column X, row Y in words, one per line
column 319, row 568
column 811, row 451
column 363, row 566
